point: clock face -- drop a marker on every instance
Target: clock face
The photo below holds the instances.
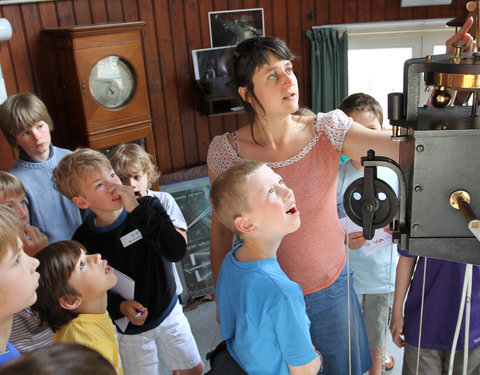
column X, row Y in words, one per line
column 112, row 82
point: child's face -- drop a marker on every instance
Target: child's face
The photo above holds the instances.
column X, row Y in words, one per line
column 18, row 281
column 35, row 141
column 366, row 119
column 272, row 204
column 18, row 204
column 138, row 180
column 96, row 188
column 92, row 277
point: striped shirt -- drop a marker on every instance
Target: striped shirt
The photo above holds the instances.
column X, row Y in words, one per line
column 27, row 333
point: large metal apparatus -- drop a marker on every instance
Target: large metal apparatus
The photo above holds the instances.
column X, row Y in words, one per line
column 438, row 170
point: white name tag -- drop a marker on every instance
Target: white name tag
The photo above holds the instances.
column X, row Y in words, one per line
column 130, row 238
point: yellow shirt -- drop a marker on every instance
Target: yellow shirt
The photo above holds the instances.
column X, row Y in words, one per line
column 95, row 331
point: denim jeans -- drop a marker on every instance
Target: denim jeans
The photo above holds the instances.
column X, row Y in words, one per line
column 327, row 310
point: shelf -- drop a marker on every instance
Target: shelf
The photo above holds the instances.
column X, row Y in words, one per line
column 216, row 98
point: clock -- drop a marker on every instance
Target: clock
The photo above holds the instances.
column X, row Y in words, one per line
column 101, row 77
column 112, row 82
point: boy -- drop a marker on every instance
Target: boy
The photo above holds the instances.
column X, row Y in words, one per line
column 372, row 287
column 442, row 283
column 138, row 239
column 262, row 313
column 135, row 168
column 60, row 359
column 27, row 331
column 72, row 298
column 18, row 279
column 26, row 124
column 12, row 194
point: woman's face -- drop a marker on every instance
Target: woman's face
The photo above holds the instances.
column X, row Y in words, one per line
column 276, row 88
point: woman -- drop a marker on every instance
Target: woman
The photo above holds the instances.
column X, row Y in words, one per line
column 305, row 150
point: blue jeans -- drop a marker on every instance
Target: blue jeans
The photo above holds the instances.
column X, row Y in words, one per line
column 327, row 310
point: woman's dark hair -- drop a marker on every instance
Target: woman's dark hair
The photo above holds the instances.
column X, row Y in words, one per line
column 60, row 359
column 246, row 58
column 57, row 262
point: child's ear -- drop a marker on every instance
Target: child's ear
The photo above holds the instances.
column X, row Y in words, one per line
column 80, row 202
column 243, row 224
column 70, row 302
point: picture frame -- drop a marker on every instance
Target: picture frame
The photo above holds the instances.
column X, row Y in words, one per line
column 230, row 27
column 8, row 2
column 192, row 198
column 210, row 63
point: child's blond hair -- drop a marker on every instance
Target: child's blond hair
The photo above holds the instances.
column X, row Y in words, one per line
column 11, row 229
column 125, row 155
column 74, row 166
column 10, row 185
column 19, row 112
column 229, row 193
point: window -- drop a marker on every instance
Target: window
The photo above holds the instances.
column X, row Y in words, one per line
column 377, row 52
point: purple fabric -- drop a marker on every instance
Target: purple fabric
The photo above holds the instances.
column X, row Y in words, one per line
column 443, row 291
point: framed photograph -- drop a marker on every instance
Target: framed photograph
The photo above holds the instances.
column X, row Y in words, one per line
column 195, row 270
column 210, row 63
column 5, row 2
column 192, row 198
column 230, row 27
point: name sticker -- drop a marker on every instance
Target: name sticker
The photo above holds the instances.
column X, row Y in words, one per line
column 130, row 238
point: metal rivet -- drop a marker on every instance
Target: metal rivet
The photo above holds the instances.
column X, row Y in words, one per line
column 420, row 148
column 416, row 227
column 418, row 188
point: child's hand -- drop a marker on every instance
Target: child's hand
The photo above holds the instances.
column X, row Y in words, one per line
column 396, row 329
column 126, row 194
column 33, row 240
column 386, row 228
column 356, row 240
column 134, row 311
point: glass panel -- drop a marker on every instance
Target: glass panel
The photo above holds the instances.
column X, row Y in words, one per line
column 377, row 72
column 107, row 150
column 439, row 49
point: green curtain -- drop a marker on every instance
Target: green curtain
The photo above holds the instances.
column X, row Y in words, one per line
column 329, row 68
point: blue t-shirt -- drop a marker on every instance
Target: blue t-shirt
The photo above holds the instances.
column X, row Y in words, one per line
column 262, row 316
column 366, row 281
column 10, row 354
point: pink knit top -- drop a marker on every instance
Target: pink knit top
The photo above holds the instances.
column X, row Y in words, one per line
column 314, row 255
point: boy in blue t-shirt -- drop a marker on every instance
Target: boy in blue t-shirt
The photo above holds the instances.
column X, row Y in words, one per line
column 262, row 313
column 18, row 279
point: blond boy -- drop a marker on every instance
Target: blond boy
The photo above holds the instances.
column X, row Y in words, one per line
column 262, row 313
column 137, row 238
column 135, row 168
column 27, row 331
column 18, row 279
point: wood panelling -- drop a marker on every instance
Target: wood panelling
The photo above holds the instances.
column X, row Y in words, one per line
column 173, row 29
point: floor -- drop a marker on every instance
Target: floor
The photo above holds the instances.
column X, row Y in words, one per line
column 207, row 333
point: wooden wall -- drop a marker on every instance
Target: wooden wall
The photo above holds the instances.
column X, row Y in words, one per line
column 174, row 28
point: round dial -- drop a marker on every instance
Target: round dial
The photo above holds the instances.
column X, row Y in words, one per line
column 112, row 82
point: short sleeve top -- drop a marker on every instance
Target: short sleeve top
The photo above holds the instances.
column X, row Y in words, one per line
column 314, row 255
